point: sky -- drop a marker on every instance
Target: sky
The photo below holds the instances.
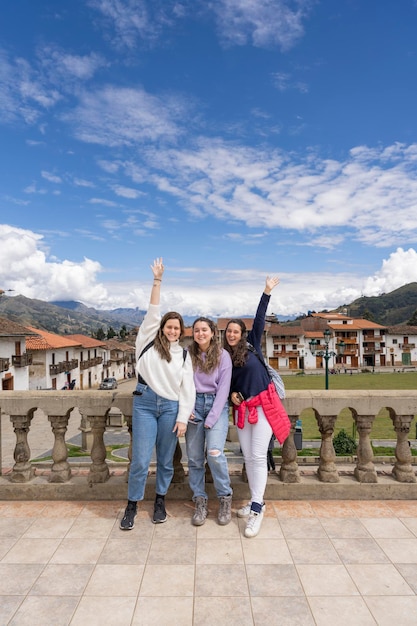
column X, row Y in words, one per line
column 233, row 138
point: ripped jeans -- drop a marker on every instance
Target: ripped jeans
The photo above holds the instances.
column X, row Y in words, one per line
column 199, row 440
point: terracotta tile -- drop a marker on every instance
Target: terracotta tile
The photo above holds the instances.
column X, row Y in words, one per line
column 293, row 509
column 333, row 508
column 403, row 508
column 24, row 509
column 367, row 508
column 103, row 509
column 62, row 509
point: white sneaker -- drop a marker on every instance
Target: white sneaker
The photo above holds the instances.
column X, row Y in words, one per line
column 253, row 525
column 245, row 510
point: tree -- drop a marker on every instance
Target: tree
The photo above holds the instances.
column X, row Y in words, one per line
column 367, row 315
column 99, row 334
column 123, row 332
column 413, row 319
column 111, row 333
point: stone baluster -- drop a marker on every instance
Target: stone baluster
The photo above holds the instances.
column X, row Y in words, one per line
column 22, row 470
column 403, row 470
column 60, row 470
column 327, row 470
column 364, row 471
column 289, row 471
column 99, row 470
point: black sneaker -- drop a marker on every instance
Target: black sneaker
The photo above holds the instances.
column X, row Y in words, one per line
column 159, row 513
column 128, row 519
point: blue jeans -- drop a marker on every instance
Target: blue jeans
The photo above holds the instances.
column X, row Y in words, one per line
column 198, row 440
column 153, row 421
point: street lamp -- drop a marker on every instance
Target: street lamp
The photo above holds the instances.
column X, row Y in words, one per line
column 326, row 354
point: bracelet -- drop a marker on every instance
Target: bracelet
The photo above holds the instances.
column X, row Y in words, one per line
column 158, row 279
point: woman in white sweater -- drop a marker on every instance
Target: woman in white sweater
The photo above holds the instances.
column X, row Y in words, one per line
column 163, row 401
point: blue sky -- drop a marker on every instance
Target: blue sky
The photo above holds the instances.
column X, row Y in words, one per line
column 234, row 138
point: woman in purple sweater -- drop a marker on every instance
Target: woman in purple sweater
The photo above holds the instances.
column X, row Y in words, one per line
column 208, row 425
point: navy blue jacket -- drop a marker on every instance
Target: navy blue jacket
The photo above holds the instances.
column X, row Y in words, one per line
column 252, row 378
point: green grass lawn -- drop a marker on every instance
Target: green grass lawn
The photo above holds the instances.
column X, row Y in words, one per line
column 382, row 427
column 383, row 381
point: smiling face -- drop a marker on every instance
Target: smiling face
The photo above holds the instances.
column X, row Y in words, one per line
column 233, row 334
column 172, row 330
column 202, row 334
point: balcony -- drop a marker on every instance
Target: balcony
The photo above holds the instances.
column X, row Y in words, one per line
column 22, row 360
column 85, row 365
column 407, row 346
column 63, row 366
column 286, row 353
column 56, row 368
column 102, row 480
column 4, row 364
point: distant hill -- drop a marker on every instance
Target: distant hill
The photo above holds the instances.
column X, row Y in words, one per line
column 71, row 317
column 388, row 309
column 66, row 317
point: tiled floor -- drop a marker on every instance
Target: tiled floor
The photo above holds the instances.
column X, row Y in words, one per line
column 335, row 563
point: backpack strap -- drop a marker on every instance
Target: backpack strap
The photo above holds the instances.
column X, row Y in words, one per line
column 252, row 348
column 150, row 344
column 146, row 348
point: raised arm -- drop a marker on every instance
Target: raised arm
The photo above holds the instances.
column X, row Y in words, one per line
column 270, row 283
column 255, row 335
column 157, row 268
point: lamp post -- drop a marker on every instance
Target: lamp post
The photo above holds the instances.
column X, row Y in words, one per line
column 326, row 354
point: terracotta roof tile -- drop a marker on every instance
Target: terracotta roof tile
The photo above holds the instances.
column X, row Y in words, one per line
column 87, row 342
column 49, row 341
column 8, row 328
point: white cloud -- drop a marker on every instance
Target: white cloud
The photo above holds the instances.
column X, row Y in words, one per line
column 52, row 178
column 264, row 24
column 269, row 23
column 268, row 188
column 124, row 117
column 399, row 269
column 24, row 92
column 127, row 192
column 26, row 268
column 131, row 21
column 103, row 201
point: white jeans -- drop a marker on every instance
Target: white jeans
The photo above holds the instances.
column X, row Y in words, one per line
column 254, row 440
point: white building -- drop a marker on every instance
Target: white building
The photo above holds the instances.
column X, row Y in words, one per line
column 14, row 360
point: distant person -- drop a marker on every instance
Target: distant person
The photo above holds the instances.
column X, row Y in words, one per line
column 163, row 401
column 259, row 410
column 208, row 425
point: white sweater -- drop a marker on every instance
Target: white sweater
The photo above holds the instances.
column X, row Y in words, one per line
column 173, row 380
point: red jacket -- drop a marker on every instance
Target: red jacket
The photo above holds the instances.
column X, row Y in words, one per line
column 273, row 409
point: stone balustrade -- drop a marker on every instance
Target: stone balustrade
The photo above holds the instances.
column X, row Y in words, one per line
column 23, row 482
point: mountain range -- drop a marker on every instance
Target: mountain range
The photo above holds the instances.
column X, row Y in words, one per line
column 70, row 317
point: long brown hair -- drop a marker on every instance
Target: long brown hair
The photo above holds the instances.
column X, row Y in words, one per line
column 213, row 352
column 239, row 352
column 161, row 343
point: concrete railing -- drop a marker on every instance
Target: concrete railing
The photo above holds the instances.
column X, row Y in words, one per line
column 22, row 480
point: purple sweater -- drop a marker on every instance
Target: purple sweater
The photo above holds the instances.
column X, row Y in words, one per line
column 216, row 382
